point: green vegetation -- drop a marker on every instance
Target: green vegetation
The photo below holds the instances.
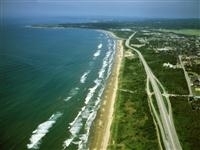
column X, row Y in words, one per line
column 138, row 24
column 164, row 40
column 172, row 79
column 195, row 68
column 195, row 91
column 122, row 34
column 183, row 31
column 129, row 126
column 187, row 123
column 133, row 126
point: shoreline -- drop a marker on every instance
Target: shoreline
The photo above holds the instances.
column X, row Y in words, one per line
column 100, row 131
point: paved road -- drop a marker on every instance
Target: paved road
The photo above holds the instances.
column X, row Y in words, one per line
column 186, row 76
column 170, row 139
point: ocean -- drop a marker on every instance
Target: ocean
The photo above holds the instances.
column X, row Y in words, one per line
column 51, row 82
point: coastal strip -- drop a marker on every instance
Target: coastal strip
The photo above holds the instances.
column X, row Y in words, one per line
column 100, row 133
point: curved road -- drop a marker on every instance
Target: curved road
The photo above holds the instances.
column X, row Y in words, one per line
column 170, row 139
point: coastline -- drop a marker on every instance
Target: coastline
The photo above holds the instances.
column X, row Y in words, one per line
column 100, row 132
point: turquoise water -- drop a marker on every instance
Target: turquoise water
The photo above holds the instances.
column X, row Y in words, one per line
column 51, row 81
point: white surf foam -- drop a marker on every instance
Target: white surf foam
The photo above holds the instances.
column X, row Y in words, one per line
column 77, row 124
column 84, row 77
column 104, row 65
column 42, row 130
column 97, row 53
column 92, row 91
column 97, row 102
column 74, row 129
column 77, row 117
column 72, row 93
column 90, row 115
column 110, row 62
column 100, row 46
column 67, row 142
column 80, row 127
column 102, row 70
column 68, row 98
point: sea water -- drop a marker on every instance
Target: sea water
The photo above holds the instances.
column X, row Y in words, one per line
column 51, row 82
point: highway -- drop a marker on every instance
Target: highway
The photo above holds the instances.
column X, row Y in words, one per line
column 165, row 119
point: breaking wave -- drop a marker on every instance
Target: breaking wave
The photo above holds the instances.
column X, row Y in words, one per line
column 92, row 91
column 77, row 124
column 97, row 53
column 100, row 46
column 84, row 77
column 79, row 128
column 41, row 131
column 72, row 93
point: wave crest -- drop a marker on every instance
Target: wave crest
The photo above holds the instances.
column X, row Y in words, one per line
column 84, row 77
column 42, row 130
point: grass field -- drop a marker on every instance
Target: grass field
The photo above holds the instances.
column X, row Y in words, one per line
column 187, row 123
column 133, row 127
column 183, row 31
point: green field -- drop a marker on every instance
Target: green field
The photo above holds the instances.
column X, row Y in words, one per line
column 133, row 127
column 183, row 31
column 187, row 123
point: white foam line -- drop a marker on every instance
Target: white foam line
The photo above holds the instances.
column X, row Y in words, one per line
column 92, row 91
column 42, row 130
column 91, row 115
column 67, row 142
column 77, row 124
column 110, row 63
column 89, row 111
column 84, row 77
column 99, row 96
column 84, row 137
column 79, row 114
column 104, row 65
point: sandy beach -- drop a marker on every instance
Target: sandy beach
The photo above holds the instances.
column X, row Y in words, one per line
column 100, row 133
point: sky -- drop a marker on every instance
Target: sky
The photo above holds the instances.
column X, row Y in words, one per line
column 107, row 8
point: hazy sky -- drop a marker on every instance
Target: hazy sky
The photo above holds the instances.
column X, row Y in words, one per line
column 130, row 8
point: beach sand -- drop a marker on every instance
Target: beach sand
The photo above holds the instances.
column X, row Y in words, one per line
column 100, row 133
